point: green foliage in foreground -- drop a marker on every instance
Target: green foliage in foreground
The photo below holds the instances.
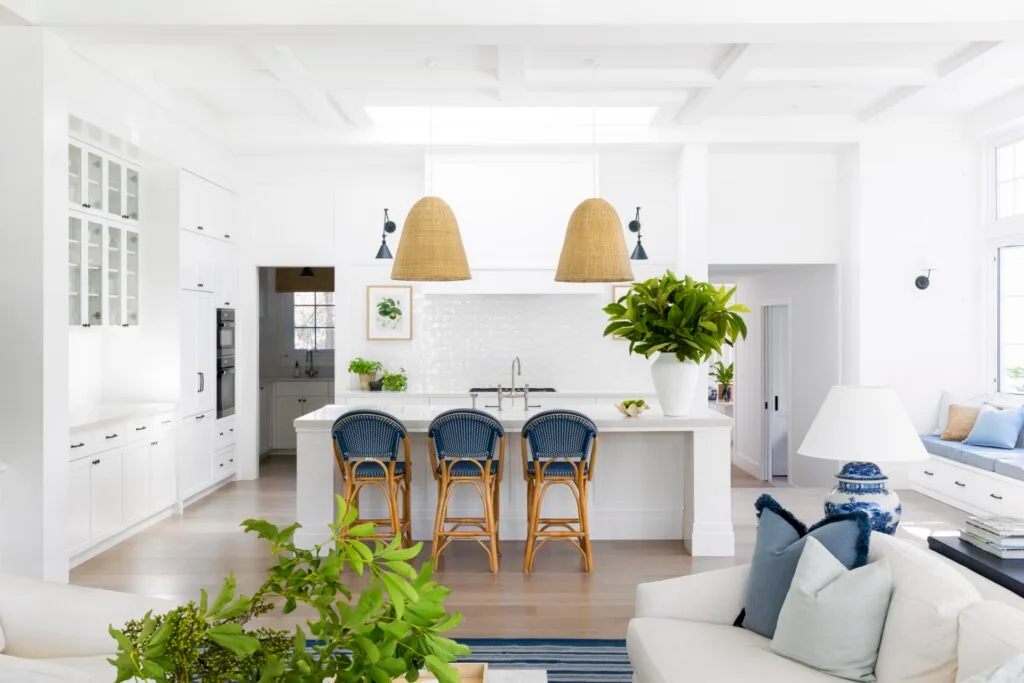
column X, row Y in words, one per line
column 392, row 629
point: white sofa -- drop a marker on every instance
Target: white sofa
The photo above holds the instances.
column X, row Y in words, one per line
column 54, row 632
column 939, row 629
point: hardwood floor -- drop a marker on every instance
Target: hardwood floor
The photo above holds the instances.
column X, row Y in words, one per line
column 178, row 556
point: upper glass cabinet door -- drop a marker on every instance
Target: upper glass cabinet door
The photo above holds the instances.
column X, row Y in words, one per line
column 115, row 193
column 94, row 277
column 75, row 175
column 131, row 277
column 115, row 272
column 131, row 193
column 75, row 312
column 94, row 181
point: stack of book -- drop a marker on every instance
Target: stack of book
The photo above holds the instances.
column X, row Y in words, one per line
column 1000, row 536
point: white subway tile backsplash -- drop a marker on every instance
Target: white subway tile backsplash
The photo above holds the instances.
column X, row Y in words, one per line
column 461, row 341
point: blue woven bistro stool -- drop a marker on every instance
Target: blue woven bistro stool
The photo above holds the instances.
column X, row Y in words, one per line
column 559, row 447
column 366, row 446
column 467, row 447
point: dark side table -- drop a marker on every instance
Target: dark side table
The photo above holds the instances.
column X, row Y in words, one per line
column 1007, row 573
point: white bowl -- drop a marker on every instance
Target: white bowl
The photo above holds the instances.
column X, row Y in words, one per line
column 633, row 410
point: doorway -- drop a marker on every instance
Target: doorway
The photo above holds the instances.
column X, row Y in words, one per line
column 776, row 391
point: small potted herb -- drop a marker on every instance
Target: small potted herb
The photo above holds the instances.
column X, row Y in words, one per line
column 395, row 381
column 723, row 374
column 366, row 369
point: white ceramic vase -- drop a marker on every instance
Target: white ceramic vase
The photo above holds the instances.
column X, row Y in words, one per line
column 675, row 382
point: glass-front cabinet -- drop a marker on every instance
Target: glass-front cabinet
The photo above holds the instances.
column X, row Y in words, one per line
column 103, row 273
column 102, row 183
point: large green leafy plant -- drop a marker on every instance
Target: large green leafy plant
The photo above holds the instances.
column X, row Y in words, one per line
column 393, row 628
column 687, row 318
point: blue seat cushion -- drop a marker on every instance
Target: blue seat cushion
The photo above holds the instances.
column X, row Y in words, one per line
column 1011, row 467
column 469, row 469
column 557, row 469
column 369, row 470
column 982, row 457
column 951, row 450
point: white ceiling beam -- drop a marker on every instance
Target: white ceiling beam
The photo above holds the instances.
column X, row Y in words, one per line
column 955, row 65
column 998, row 115
column 511, row 71
column 731, row 70
column 283, row 63
column 419, row 78
column 685, row 78
column 353, row 112
column 834, row 76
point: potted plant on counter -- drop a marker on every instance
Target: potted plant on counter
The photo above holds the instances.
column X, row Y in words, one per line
column 396, row 381
column 723, row 374
column 366, row 369
column 392, row 629
column 684, row 322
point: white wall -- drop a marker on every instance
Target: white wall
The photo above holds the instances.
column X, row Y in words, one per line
column 812, row 295
column 918, row 188
column 329, row 211
column 773, row 208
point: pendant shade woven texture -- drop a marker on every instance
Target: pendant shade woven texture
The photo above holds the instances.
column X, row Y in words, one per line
column 430, row 247
column 595, row 248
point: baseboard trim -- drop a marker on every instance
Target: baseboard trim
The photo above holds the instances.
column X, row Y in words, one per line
column 202, row 493
column 751, row 467
column 123, row 535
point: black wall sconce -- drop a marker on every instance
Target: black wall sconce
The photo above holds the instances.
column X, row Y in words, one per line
column 389, row 227
column 639, row 254
column 922, row 281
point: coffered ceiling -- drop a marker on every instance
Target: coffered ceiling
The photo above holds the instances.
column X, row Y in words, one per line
column 312, row 73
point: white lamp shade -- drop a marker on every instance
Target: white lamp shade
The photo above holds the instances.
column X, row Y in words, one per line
column 862, row 424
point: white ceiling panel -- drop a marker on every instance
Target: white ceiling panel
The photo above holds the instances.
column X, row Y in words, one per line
column 254, row 103
column 802, row 55
column 798, row 100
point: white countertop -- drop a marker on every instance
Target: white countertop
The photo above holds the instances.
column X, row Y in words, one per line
column 86, row 416
column 607, row 418
column 574, row 393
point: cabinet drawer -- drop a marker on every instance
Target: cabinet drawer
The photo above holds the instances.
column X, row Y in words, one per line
column 224, row 432
column 139, row 428
column 165, row 423
column 223, row 463
column 91, row 440
column 301, row 388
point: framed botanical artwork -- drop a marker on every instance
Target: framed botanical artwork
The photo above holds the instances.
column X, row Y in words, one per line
column 388, row 312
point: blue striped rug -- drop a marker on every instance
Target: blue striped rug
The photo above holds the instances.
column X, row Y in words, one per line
column 565, row 660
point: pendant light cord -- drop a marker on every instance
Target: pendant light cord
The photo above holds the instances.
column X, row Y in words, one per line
column 593, row 142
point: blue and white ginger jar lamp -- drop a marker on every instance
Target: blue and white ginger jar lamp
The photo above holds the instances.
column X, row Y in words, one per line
column 862, row 426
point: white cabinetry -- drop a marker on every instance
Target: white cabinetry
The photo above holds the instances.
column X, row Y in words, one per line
column 103, row 273
column 195, row 448
column 198, row 353
column 122, row 472
column 103, row 184
column 206, row 208
column 292, row 400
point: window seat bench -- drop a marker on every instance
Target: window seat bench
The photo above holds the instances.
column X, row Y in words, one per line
column 976, row 479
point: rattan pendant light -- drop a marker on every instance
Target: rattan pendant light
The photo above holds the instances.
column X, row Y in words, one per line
column 594, row 249
column 430, row 248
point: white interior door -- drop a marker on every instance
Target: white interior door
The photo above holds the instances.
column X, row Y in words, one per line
column 776, row 381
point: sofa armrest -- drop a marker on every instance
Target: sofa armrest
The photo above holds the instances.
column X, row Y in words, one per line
column 44, row 620
column 715, row 597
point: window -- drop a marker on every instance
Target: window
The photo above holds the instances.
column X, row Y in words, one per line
column 314, row 320
column 1011, row 319
column 1010, row 179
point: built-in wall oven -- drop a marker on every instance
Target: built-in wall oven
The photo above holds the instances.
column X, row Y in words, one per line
column 225, row 362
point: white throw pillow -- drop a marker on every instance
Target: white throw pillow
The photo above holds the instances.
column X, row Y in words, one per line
column 1010, row 672
column 20, row 670
column 833, row 617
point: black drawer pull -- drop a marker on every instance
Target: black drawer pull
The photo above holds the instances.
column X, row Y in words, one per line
column 199, row 227
column 165, row 422
column 96, row 461
column 232, row 429
column 222, row 433
column 153, row 443
column 139, row 429
column 231, row 459
column 995, row 496
column 959, row 483
column 930, row 474
column 200, row 417
column 78, row 445
column 112, row 436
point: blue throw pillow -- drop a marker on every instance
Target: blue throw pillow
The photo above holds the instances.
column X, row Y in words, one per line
column 996, row 428
column 780, row 541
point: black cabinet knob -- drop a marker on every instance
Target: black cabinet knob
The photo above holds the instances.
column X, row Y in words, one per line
column 96, row 461
column 199, row 227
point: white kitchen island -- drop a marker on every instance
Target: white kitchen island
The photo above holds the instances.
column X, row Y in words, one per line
column 656, row 477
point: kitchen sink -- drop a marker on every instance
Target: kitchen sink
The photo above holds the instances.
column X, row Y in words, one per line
column 481, row 390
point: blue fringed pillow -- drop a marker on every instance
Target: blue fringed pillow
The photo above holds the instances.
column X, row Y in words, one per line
column 780, row 541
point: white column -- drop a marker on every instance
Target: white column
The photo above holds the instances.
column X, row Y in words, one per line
column 707, row 516
column 315, row 486
column 692, row 245
column 34, row 291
